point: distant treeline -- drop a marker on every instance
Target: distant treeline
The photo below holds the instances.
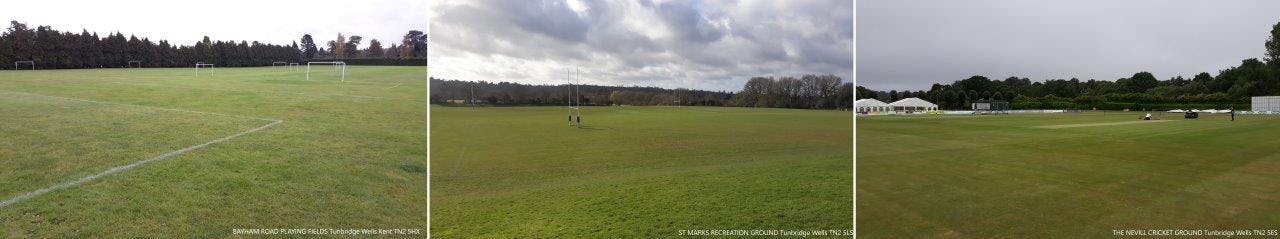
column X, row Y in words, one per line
column 806, row 92
column 1231, row 88
column 53, row 49
column 383, row 61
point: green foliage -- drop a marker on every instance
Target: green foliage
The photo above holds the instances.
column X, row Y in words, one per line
column 806, row 92
column 52, row 49
column 1273, row 44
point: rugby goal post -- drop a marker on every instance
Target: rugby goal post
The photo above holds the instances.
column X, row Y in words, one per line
column 31, row 63
column 202, row 64
column 132, row 64
column 337, row 65
column 575, row 109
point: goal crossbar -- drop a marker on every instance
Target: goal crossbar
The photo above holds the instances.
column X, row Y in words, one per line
column 340, row 66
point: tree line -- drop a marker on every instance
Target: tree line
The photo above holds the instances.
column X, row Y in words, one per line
column 805, row 92
column 1230, row 88
column 52, row 49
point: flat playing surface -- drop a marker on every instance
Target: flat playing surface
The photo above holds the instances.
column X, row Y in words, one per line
column 1009, row 176
column 637, row 172
column 342, row 155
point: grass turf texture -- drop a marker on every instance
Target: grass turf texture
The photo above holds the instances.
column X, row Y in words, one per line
column 646, row 172
column 1008, row 176
column 348, row 155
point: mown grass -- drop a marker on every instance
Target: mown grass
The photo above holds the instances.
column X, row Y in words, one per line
column 637, row 172
column 1003, row 177
column 343, row 158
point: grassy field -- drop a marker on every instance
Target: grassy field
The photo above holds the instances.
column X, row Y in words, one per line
column 637, row 172
column 1065, row 175
column 245, row 148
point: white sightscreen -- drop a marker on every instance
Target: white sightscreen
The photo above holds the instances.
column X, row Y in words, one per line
column 1265, row 103
column 981, row 106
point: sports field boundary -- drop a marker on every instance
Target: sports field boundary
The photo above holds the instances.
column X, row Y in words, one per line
column 126, row 167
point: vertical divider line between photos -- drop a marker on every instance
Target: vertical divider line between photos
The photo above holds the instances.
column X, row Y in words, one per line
column 853, row 121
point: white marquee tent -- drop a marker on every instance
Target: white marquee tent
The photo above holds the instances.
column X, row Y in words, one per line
column 871, row 105
column 913, row 105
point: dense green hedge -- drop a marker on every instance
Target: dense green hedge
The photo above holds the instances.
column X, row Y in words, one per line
column 1126, row 105
column 381, row 61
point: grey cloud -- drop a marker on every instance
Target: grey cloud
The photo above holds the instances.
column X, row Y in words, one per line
column 689, row 22
column 548, row 17
column 713, row 44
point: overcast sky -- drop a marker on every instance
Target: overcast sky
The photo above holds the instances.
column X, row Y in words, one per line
column 712, row 44
column 185, row 22
column 911, row 44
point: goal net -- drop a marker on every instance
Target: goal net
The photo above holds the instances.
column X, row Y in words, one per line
column 203, row 65
column 16, row 64
column 335, row 65
column 135, row 64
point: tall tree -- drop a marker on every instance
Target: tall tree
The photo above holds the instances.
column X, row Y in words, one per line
column 375, row 49
column 339, row 46
column 1273, row 44
column 393, row 52
column 1142, row 81
column 415, row 44
column 352, row 46
column 308, row 47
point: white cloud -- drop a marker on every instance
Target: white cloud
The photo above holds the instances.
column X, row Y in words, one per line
column 714, row 45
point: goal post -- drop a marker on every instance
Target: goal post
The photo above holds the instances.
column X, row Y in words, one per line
column 202, row 64
column 31, row 63
column 337, row 65
column 133, row 63
column 575, row 104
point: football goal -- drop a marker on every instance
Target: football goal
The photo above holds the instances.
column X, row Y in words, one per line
column 135, row 64
column 336, row 65
column 202, row 64
column 30, row 63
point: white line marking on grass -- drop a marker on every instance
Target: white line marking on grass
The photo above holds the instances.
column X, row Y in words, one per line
column 129, row 166
column 1059, row 126
column 394, row 86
